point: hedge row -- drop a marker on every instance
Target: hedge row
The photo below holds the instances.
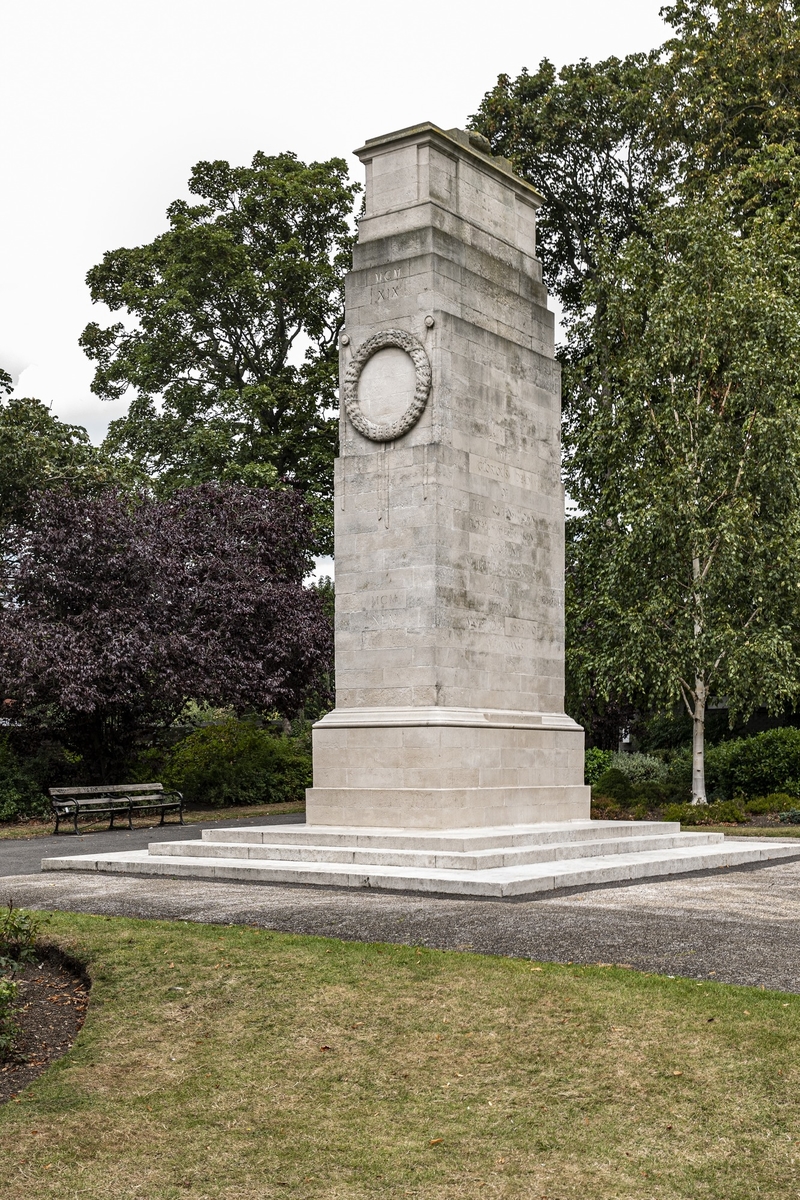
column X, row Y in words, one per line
column 743, row 767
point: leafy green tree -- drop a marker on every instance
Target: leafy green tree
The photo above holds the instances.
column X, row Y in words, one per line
column 702, row 131
column 607, row 143
column 683, row 454
column 231, row 347
column 731, row 84
column 39, row 453
column 584, row 136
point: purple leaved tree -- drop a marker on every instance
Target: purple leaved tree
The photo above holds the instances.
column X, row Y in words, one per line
column 114, row 612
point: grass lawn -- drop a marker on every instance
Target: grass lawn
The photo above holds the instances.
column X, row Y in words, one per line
column 779, row 831
column 227, row 1064
column 191, row 816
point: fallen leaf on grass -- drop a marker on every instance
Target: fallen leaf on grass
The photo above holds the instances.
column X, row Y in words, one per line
column 435, row 1141
column 326, row 1047
column 677, row 1072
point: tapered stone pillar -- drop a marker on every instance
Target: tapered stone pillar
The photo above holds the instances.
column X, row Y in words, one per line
column 449, row 526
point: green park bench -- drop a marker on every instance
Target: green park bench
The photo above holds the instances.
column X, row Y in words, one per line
column 120, row 799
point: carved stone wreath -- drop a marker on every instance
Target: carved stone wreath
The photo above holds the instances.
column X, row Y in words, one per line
column 422, row 369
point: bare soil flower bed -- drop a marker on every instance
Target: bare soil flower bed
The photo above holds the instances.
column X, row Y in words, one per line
column 53, row 997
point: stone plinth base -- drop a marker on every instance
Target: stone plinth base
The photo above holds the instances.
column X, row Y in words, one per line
column 439, row 768
column 518, row 861
column 441, row 808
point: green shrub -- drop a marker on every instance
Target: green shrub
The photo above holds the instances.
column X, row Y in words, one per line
column 651, row 793
column 776, row 802
column 792, row 817
column 595, row 763
column 20, row 794
column 674, row 812
column 8, row 1026
column 19, row 930
column 726, row 812
column 614, row 785
column 640, row 768
column 237, row 762
column 604, row 808
column 679, row 776
column 755, row 766
column 23, row 801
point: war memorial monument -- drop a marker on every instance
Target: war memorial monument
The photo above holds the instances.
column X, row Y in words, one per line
column 448, row 764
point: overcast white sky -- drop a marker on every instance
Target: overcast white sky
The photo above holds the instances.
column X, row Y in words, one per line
column 107, row 104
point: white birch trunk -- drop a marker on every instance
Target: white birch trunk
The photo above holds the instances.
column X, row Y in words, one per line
column 699, row 714
column 699, row 743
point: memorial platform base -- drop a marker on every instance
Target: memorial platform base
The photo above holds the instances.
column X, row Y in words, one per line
column 501, row 862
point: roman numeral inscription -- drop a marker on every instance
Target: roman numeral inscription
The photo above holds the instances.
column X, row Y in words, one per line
column 385, row 285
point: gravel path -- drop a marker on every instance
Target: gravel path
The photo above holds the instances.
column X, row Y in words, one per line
column 732, row 926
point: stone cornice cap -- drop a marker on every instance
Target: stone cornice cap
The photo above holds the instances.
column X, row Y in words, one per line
column 469, row 144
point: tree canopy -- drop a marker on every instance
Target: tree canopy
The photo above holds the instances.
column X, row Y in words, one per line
column 233, row 318
column 117, row 610
column 584, row 137
column 682, row 441
column 609, row 143
column 670, row 234
column 730, row 83
column 39, row 453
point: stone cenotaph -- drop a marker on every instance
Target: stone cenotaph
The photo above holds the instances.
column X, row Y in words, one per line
column 448, row 764
column 449, row 523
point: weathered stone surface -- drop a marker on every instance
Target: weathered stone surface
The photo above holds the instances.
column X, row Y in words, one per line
column 449, row 538
column 502, row 863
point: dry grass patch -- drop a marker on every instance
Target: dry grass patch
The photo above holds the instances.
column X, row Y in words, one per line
column 758, row 831
column 231, row 1064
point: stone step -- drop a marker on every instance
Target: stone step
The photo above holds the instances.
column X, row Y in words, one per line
column 503, row 882
column 454, row 840
column 445, row 859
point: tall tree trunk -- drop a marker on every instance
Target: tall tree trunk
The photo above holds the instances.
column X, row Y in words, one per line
column 699, row 743
column 700, row 697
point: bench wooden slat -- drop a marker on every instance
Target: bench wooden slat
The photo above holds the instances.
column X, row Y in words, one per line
column 122, row 802
column 105, row 790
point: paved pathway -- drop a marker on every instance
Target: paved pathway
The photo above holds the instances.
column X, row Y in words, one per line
column 22, row 856
column 734, row 926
